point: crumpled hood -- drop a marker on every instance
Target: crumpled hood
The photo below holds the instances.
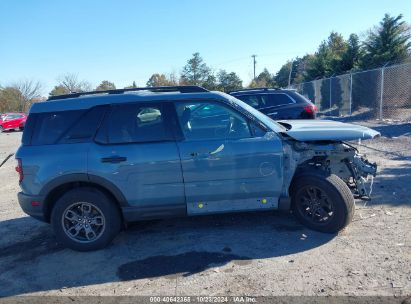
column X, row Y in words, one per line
column 311, row 130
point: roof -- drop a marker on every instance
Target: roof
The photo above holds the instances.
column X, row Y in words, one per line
column 85, row 101
column 259, row 90
column 181, row 89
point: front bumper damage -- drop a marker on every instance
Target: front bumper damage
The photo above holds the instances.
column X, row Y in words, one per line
column 341, row 159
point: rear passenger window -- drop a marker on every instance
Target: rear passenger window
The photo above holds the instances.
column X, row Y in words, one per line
column 85, row 127
column 51, row 126
column 134, row 123
column 256, row 101
column 251, row 100
column 278, row 100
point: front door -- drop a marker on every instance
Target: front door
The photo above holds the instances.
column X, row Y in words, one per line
column 228, row 163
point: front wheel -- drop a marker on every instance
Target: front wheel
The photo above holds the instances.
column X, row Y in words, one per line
column 85, row 219
column 322, row 202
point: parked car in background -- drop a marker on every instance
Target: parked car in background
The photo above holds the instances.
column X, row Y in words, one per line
column 90, row 162
column 278, row 103
column 9, row 121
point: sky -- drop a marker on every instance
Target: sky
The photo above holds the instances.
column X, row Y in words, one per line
column 124, row 41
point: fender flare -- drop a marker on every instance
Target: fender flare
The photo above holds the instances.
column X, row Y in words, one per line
column 87, row 178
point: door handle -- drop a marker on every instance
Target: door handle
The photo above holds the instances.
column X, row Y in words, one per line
column 218, row 150
column 113, row 159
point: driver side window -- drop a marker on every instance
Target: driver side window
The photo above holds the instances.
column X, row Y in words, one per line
column 207, row 120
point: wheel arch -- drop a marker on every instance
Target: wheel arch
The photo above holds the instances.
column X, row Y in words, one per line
column 307, row 169
column 57, row 187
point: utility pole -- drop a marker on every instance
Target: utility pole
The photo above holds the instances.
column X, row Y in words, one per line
column 254, row 62
column 289, row 75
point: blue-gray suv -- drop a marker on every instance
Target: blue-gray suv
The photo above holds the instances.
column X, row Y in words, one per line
column 91, row 162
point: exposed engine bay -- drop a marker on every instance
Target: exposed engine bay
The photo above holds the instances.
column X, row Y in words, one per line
column 339, row 158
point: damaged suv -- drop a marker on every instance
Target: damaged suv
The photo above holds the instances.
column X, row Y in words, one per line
column 91, row 162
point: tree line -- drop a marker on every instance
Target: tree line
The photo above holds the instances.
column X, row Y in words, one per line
column 387, row 43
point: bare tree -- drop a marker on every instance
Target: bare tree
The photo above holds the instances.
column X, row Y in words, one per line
column 72, row 84
column 173, row 78
column 24, row 94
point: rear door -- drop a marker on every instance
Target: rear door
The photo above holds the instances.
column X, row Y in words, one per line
column 228, row 164
column 135, row 150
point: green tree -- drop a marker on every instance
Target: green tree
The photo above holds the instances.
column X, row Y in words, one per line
column 9, row 97
column 337, row 48
column 59, row 90
column 106, row 85
column 352, row 57
column 228, row 81
column 302, row 65
column 132, row 86
column 210, row 83
column 283, row 75
column 327, row 59
column 20, row 96
column 196, row 72
column 159, row 80
column 264, row 80
column 389, row 42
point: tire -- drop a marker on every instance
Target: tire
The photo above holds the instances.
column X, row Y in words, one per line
column 85, row 219
column 322, row 202
column 1, row 129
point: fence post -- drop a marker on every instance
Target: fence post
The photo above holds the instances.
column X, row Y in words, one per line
column 330, row 92
column 382, row 89
column 350, row 93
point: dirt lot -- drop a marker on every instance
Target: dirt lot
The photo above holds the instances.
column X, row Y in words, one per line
column 242, row 254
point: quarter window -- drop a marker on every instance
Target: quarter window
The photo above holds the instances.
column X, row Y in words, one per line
column 259, row 101
column 275, row 100
column 51, row 126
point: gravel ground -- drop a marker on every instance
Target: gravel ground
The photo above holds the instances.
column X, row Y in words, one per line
column 242, row 254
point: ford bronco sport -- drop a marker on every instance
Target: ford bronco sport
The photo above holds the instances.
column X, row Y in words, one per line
column 91, row 162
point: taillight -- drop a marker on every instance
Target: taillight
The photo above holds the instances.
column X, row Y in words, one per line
column 310, row 109
column 19, row 169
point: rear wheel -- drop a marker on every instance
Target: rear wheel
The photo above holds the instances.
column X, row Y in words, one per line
column 1, row 129
column 85, row 219
column 322, row 202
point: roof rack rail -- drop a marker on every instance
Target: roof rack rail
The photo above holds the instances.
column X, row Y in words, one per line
column 181, row 89
column 255, row 89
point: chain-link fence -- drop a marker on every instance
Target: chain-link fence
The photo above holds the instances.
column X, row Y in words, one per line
column 383, row 93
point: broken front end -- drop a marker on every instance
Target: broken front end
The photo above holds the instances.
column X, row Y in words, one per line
column 339, row 158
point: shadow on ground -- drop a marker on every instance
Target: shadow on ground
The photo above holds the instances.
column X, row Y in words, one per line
column 391, row 187
column 394, row 130
column 31, row 260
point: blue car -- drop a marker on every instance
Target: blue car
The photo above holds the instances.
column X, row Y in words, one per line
column 91, row 162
